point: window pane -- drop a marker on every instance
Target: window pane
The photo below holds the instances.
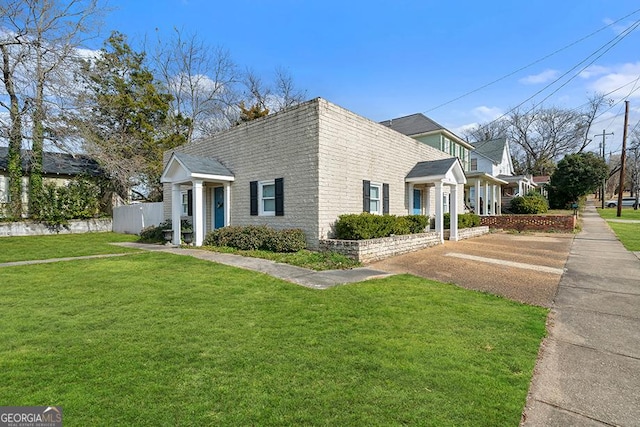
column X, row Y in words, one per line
column 374, row 192
column 374, row 206
column 269, row 205
column 269, row 190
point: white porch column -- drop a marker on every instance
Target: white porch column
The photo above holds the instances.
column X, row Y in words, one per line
column 477, row 197
column 227, row 203
column 439, row 210
column 499, row 200
column 176, row 212
column 520, row 193
column 494, row 200
column 485, row 202
column 453, row 210
column 198, row 212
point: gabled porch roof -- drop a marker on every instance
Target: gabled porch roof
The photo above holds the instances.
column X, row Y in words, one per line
column 184, row 168
column 447, row 171
column 483, row 176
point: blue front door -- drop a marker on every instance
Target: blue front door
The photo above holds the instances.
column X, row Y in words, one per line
column 218, row 202
column 417, row 202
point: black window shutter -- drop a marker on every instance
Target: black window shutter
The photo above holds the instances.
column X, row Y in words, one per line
column 279, row 196
column 385, row 198
column 366, row 196
column 190, row 202
column 253, row 195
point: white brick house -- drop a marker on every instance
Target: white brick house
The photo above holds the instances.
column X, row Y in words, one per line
column 302, row 168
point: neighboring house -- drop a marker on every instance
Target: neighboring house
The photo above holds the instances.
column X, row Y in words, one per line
column 491, row 177
column 56, row 167
column 302, row 168
column 420, row 127
column 542, row 181
column 483, row 187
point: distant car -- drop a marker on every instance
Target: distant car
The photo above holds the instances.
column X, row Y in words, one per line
column 626, row 201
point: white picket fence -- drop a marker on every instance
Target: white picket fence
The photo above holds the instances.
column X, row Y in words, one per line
column 131, row 219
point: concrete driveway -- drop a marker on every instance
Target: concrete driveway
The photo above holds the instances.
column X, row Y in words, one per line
column 523, row 267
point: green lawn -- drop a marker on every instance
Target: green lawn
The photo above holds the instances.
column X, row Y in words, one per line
column 61, row 245
column 158, row 339
column 627, row 233
column 626, row 213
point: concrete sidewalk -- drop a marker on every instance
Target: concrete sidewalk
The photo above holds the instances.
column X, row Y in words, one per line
column 588, row 373
column 298, row 275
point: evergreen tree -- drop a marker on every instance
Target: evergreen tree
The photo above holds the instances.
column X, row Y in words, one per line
column 126, row 125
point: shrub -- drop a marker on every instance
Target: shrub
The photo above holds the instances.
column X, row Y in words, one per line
column 291, row 240
column 466, row 220
column 155, row 233
column 254, row 237
column 369, row 226
column 531, row 203
column 363, row 226
column 417, row 223
column 79, row 199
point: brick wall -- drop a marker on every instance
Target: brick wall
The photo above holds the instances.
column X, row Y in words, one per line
column 376, row 249
column 352, row 149
column 565, row 223
column 323, row 152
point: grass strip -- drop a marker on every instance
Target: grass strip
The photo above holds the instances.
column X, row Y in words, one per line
column 23, row 248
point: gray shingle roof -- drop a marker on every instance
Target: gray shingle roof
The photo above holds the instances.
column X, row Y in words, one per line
column 414, row 124
column 205, row 165
column 491, row 149
column 56, row 163
column 432, row 168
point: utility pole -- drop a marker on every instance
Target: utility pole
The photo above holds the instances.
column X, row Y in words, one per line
column 604, row 181
column 623, row 157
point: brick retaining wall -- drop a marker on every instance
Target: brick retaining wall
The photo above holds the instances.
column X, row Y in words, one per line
column 376, row 249
column 566, row 223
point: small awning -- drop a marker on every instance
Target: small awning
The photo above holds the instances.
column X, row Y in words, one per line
column 447, row 171
column 184, row 168
column 483, row 176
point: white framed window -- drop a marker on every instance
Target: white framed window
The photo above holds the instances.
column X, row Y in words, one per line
column 474, row 164
column 447, row 145
column 184, row 197
column 375, row 198
column 267, row 198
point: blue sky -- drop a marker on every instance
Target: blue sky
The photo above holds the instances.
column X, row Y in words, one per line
column 386, row 59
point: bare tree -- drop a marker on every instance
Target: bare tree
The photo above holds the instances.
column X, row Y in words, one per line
column 13, row 55
column 493, row 130
column 286, row 94
column 261, row 98
column 50, row 31
column 202, row 79
column 541, row 136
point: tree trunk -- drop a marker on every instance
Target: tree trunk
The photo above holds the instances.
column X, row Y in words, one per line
column 15, row 140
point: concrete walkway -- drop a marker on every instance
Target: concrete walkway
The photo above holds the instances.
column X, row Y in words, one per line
column 588, row 373
column 298, row 275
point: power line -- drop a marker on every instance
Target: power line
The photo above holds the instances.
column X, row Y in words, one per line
column 532, row 63
column 607, row 47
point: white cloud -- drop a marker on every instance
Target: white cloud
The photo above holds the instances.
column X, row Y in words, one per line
column 620, row 27
column 486, row 114
column 543, row 77
column 620, row 81
column 594, row 70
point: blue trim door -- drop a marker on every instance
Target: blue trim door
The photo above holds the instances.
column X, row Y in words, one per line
column 218, row 203
column 417, row 202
